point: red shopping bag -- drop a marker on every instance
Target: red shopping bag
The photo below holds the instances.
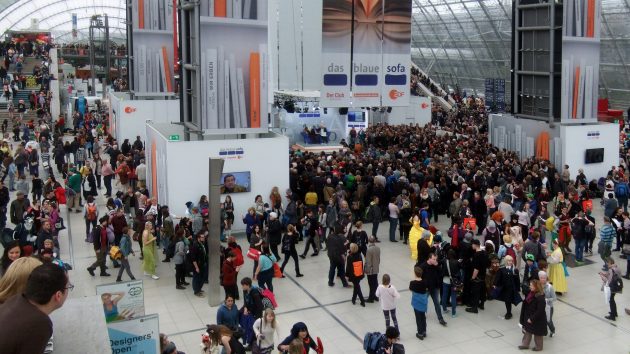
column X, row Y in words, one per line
column 470, row 221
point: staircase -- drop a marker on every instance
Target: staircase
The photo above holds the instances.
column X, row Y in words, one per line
column 446, row 105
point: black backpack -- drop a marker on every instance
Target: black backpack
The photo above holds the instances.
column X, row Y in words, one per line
column 616, row 284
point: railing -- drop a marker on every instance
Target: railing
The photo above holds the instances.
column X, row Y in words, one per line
column 86, row 52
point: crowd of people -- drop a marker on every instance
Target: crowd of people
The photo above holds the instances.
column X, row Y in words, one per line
column 513, row 224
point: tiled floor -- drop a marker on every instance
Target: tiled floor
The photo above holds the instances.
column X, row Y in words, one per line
column 330, row 315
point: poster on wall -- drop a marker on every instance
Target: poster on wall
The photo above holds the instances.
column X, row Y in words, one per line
column 396, row 52
column 336, row 52
column 367, row 55
column 138, row 335
column 122, row 301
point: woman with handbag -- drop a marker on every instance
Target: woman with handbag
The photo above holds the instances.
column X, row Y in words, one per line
column 533, row 317
column 506, row 285
column 264, row 272
column 354, row 272
column 265, row 329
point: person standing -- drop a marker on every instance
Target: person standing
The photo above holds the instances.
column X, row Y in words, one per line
column 507, row 282
column 274, row 233
column 394, row 213
column 265, row 331
column 607, row 234
column 148, row 251
column 179, row 259
column 108, row 174
column 336, row 248
column 609, row 278
column 432, row 275
column 419, row 302
column 372, row 265
column 354, row 272
column 387, row 296
column 199, row 258
column 533, row 317
column 450, row 280
column 550, row 297
column 375, row 216
column 479, row 267
column 30, row 327
column 125, row 250
column 230, row 272
column 99, row 241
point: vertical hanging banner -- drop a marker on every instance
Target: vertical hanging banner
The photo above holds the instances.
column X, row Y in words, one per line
column 367, row 54
column 74, row 25
column 396, row 52
column 336, row 50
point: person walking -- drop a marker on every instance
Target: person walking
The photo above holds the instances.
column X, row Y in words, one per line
column 354, row 272
column 289, row 240
column 479, row 266
column 533, row 317
column 336, row 250
column 99, row 241
column 451, row 280
column 419, row 302
column 432, row 274
column 265, row 331
column 90, row 214
column 387, row 297
column 148, row 251
column 372, row 265
column 506, row 285
column 125, row 250
column 264, row 272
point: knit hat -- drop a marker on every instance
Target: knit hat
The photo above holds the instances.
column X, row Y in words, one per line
column 438, row 237
column 530, row 257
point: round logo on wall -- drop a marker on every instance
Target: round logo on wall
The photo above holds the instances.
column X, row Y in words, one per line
column 130, row 109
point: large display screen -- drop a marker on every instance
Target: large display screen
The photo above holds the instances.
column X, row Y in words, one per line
column 235, row 182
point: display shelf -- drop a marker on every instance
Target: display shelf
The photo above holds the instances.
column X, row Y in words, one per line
column 150, row 31
column 241, row 23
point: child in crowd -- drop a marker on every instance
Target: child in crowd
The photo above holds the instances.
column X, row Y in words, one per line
column 387, row 296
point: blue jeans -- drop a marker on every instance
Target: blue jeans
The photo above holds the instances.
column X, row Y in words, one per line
column 393, row 222
column 446, row 291
column 579, row 249
column 623, row 203
column 435, row 294
column 265, row 278
column 341, row 272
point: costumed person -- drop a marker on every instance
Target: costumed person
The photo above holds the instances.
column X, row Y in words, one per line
column 557, row 275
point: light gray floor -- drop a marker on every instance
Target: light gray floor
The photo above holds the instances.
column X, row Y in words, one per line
column 330, row 315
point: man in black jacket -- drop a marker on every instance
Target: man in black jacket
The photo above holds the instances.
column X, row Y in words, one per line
column 432, row 275
column 252, row 299
column 336, row 248
column 478, row 280
column 274, row 231
column 375, row 215
column 99, row 241
column 199, row 257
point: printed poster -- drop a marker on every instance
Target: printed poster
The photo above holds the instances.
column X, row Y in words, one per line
column 336, row 52
column 122, row 301
column 138, row 335
column 367, row 53
column 396, row 52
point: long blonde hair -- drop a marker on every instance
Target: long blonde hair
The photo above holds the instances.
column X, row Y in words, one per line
column 264, row 318
column 14, row 280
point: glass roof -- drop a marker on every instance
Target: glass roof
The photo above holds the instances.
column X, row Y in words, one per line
column 56, row 16
column 462, row 42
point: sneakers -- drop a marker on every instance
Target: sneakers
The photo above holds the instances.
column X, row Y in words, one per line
column 454, row 315
column 154, row 277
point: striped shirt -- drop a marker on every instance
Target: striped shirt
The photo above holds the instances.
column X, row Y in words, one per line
column 607, row 234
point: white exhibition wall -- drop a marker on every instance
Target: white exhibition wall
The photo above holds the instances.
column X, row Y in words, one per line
column 418, row 112
column 576, row 139
column 186, row 177
column 129, row 116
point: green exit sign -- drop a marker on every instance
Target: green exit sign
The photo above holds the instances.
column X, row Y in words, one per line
column 174, row 137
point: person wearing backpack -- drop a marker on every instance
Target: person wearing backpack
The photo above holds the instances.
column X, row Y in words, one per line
column 99, row 241
column 90, row 214
column 506, row 249
column 377, row 343
column 622, row 193
column 354, row 272
column 612, row 279
column 125, row 250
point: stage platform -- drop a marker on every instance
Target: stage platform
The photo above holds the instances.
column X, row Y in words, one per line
column 317, row 148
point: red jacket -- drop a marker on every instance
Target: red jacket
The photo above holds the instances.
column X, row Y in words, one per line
column 229, row 273
column 60, row 194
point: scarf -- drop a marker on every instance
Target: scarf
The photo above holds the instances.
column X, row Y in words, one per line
column 530, row 297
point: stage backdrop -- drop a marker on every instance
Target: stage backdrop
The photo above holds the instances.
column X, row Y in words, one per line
column 366, row 53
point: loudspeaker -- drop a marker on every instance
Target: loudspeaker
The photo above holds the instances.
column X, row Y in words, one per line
column 343, row 110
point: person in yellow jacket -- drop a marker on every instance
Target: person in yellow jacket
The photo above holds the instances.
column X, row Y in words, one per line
column 415, row 234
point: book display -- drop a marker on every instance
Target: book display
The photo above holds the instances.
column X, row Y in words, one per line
column 151, row 44
column 234, row 63
column 556, row 60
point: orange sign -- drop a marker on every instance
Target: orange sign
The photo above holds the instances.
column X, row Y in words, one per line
column 395, row 94
column 130, row 109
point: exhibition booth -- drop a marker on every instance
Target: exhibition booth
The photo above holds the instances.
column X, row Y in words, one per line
column 255, row 164
column 128, row 117
column 591, row 147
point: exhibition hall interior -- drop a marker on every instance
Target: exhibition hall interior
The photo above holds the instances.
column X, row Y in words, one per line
column 314, row 176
